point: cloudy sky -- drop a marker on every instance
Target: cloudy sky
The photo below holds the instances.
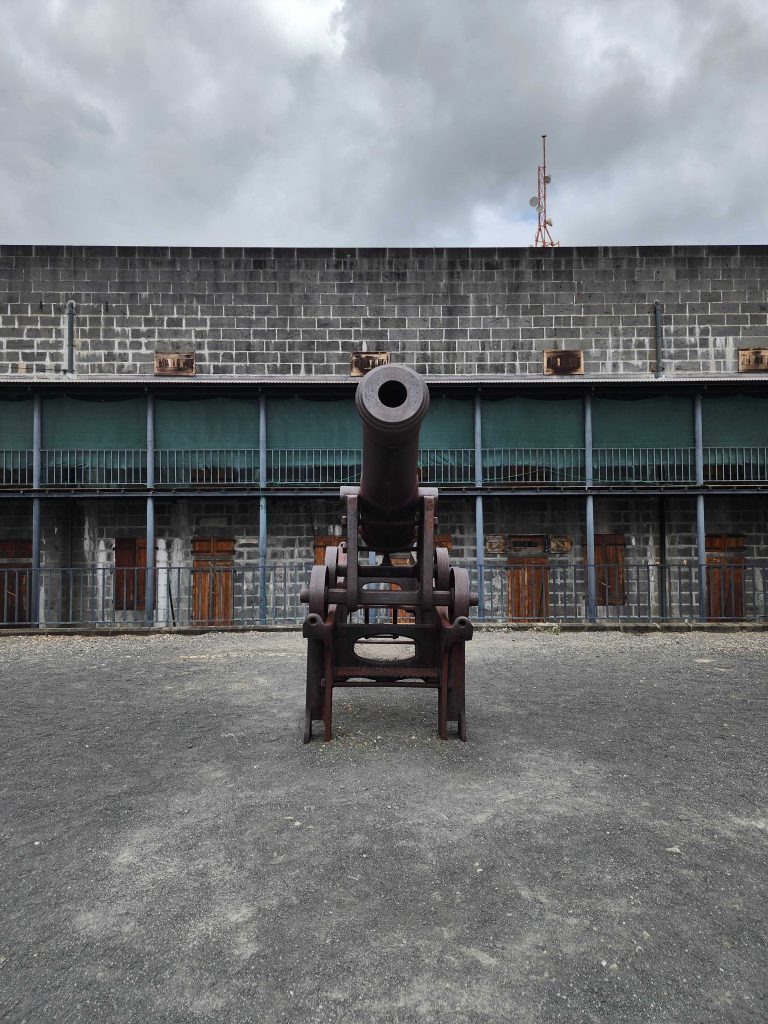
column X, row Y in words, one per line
column 382, row 122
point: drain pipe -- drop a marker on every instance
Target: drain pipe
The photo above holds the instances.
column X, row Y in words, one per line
column 657, row 311
column 69, row 361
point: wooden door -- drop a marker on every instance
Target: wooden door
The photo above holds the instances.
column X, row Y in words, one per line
column 130, row 573
column 609, row 569
column 322, row 542
column 15, row 571
column 212, row 565
column 528, row 588
column 725, row 576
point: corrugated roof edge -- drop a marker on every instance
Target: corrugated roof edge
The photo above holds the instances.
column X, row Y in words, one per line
column 377, row 252
column 121, row 380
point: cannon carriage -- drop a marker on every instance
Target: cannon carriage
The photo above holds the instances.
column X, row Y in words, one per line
column 388, row 571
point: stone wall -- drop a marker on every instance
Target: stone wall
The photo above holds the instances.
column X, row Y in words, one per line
column 443, row 311
column 82, row 535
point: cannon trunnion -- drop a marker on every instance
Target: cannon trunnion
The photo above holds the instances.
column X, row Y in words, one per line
column 386, row 586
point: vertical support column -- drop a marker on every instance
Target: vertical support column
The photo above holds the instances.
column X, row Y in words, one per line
column 149, row 589
column 37, row 440
column 262, row 508
column 479, row 513
column 663, row 584
column 590, row 512
column 701, row 536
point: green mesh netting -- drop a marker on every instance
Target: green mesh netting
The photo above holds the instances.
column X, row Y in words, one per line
column 16, row 424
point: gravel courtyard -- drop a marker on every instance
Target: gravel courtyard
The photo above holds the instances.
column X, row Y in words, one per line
column 596, row 851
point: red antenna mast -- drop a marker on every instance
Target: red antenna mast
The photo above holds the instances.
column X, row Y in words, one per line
column 539, row 201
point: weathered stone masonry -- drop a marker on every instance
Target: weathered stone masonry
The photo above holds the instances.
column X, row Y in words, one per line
column 284, row 315
column 444, row 311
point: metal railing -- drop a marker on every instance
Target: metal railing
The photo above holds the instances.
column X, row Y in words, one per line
column 218, row 596
column 440, row 466
column 305, row 467
column 175, row 467
column 533, row 466
column 319, row 466
column 330, row 467
column 736, row 464
column 93, row 467
column 16, row 467
column 644, row 465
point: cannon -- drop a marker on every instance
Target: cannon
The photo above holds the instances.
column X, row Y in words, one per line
column 387, row 608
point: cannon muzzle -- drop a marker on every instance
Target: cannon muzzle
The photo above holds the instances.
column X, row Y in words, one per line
column 391, row 401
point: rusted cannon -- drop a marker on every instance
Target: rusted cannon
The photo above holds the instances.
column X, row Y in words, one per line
column 387, row 608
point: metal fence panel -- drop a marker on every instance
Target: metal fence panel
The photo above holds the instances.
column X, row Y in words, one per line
column 216, row 596
column 15, row 467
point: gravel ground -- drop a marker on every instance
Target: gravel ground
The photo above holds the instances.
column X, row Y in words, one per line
column 596, row 851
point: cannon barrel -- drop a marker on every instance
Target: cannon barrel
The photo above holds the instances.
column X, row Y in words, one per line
column 391, row 401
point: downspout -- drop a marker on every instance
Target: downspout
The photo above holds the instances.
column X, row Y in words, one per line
column 69, row 360
column 657, row 310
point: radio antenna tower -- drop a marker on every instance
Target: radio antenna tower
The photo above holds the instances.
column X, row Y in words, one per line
column 539, row 202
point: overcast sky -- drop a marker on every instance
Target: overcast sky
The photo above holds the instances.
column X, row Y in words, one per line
column 382, row 122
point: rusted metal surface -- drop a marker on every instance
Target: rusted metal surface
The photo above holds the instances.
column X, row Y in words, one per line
column 388, row 515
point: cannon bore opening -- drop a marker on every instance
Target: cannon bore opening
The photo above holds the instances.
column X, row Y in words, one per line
column 393, row 394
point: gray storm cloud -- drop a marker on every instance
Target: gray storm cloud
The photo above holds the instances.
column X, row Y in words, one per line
column 410, row 122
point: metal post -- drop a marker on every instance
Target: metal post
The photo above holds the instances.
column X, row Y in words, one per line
column 590, row 512
column 149, row 590
column 35, row 582
column 150, row 441
column 479, row 516
column 37, row 439
column 701, row 537
column 698, row 440
column 663, row 603
column 262, row 508
column 701, row 556
column 588, row 463
column 590, row 553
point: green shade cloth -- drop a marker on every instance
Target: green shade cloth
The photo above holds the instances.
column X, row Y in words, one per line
column 533, row 423
column 207, row 423
column 74, row 423
column 739, row 420
column 302, row 433
column 528, row 439
column 662, row 422
column 449, row 424
column 313, row 442
column 302, row 423
column 16, row 425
